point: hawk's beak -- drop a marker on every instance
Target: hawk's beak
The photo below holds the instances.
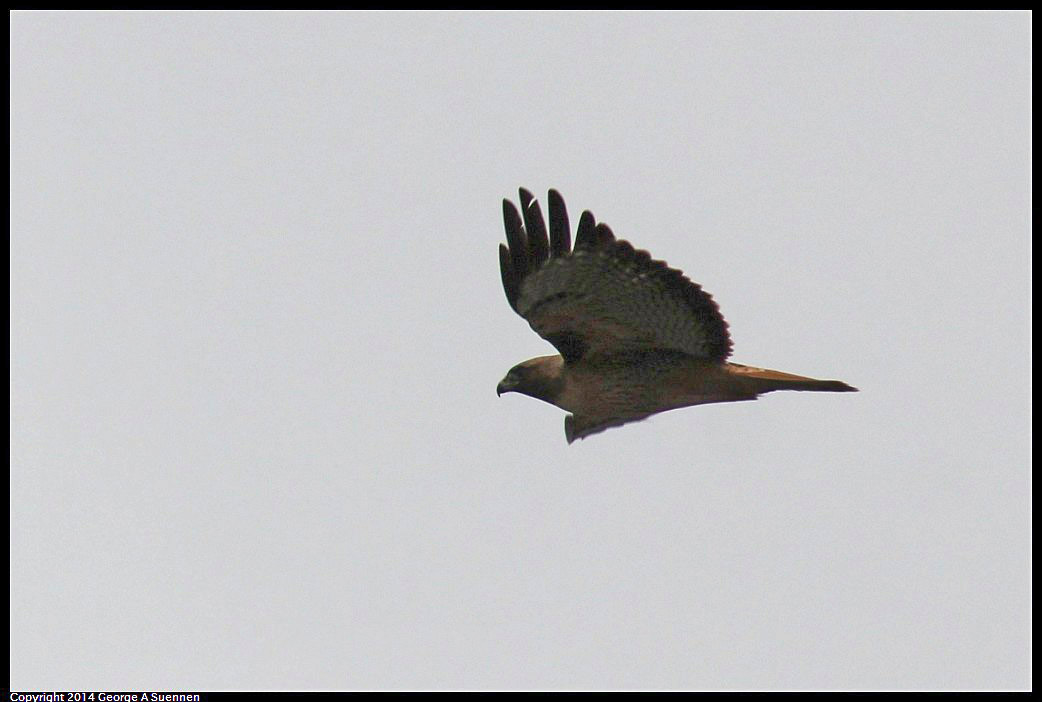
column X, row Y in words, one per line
column 507, row 384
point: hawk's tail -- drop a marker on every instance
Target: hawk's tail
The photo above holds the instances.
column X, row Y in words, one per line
column 761, row 380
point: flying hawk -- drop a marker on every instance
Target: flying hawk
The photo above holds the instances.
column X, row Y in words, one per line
column 635, row 337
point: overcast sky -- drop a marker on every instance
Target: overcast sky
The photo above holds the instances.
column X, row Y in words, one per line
column 257, row 326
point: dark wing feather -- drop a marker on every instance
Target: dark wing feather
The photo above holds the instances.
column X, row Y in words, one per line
column 586, row 235
column 538, row 243
column 604, row 297
column 560, row 236
column 511, row 280
column 516, row 240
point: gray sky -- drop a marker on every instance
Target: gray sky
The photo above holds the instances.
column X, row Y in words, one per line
column 257, row 326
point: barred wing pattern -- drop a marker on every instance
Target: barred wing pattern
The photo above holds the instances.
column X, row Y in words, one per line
column 603, row 297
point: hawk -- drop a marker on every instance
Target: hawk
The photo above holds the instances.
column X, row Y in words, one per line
column 634, row 336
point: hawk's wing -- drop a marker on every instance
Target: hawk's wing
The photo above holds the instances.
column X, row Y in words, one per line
column 603, row 296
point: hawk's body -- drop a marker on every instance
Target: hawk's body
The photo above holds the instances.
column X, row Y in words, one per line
column 635, row 337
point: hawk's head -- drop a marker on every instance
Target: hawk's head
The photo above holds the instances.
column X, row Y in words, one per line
column 537, row 377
